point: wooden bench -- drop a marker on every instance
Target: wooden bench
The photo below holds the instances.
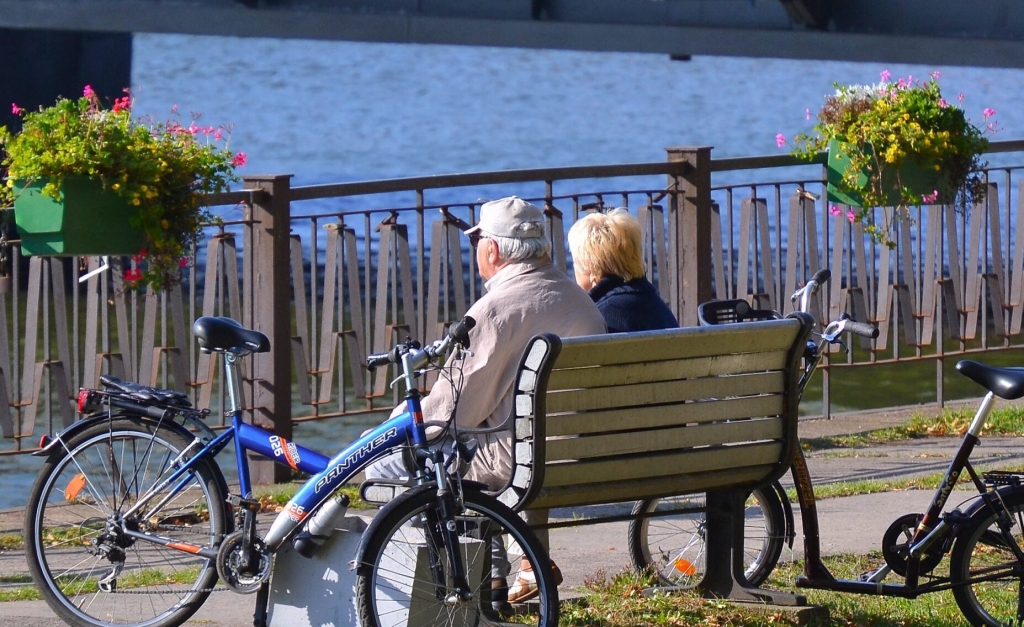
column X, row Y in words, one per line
column 616, row 418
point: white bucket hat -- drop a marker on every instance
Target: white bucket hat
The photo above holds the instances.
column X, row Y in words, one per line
column 510, row 217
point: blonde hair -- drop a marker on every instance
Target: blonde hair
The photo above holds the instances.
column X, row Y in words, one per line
column 608, row 244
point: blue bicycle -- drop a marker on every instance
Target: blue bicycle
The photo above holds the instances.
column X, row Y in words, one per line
column 131, row 521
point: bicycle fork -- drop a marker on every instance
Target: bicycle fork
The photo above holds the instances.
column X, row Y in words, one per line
column 447, row 530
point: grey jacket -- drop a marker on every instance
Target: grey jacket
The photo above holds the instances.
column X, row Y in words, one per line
column 522, row 300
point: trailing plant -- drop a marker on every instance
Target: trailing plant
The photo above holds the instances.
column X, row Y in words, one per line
column 163, row 168
column 883, row 127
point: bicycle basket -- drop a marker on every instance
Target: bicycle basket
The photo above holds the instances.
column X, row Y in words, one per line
column 732, row 310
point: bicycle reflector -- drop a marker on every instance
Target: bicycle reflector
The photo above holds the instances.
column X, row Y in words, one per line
column 85, row 404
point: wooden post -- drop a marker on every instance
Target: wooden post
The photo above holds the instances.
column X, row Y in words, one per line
column 692, row 236
column 268, row 311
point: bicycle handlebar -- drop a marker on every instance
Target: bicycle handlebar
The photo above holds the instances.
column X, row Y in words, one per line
column 458, row 333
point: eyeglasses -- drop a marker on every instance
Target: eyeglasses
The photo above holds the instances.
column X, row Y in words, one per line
column 474, row 239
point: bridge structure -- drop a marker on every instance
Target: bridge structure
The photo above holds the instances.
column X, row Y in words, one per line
column 56, row 46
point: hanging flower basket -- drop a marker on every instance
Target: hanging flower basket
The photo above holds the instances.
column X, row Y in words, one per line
column 896, row 144
column 77, row 156
column 913, row 178
column 88, row 220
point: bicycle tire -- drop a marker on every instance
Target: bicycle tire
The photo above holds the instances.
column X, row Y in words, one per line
column 673, row 546
column 395, row 584
column 979, row 549
column 93, row 481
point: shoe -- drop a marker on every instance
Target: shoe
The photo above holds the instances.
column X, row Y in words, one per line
column 525, row 587
column 499, row 596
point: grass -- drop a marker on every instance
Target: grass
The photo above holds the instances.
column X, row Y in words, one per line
column 618, row 601
column 951, row 422
column 79, row 585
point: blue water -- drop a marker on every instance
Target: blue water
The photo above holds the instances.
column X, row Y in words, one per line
column 338, row 111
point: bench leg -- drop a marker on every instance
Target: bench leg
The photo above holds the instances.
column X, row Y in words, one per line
column 724, row 578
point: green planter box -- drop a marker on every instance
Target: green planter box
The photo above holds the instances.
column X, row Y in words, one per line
column 89, row 221
column 913, row 175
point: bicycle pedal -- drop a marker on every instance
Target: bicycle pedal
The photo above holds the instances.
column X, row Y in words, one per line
column 876, row 575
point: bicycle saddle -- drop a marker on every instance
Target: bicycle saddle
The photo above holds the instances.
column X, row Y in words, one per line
column 220, row 334
column 1005, row 383
column 145, row 393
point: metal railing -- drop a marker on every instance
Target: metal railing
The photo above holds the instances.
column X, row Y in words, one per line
column 332, row 272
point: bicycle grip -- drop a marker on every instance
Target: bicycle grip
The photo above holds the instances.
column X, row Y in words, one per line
column 381, row 359
column 459, row 331
column 862, row 329
column 822, row 276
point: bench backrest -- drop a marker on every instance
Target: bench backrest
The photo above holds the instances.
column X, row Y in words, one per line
column 611, row 418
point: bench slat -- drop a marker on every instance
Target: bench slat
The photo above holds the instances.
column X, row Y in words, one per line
column 588, row 475
column 625, row 348
column 664, row 392
column 619, row 491
column 625, row 374
column 655, row 440
column 613, row 420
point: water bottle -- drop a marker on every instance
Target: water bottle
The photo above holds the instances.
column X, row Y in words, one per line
column 321, row 525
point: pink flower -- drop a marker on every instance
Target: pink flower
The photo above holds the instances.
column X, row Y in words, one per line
column 930, row 198
column 88, row 92
column 808, row 114
column 885, row 76
column 122, row 104
column 935, row 75
column 960, row 97
column 942, row 103
column 174, row 108
column 902, row 82
column 835, row 211
column 238, row 160
column 193, row 129
column 132, row 275
column 988, row 112
column 183, row 262
column 780, row 140
column 219, row 135
column 851, row 216
column 15, row 109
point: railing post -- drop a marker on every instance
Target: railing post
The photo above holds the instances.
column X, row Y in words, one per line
column 692, row 223
column 268, row 308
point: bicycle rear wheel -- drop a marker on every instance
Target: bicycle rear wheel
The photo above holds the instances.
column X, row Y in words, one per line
column 88, row 571
column 988, row 580
column 406, row 576
column 673, row 545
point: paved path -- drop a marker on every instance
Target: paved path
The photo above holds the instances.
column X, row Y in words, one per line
column 849, row 524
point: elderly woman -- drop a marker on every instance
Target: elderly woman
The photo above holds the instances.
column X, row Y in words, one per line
column 607, row 255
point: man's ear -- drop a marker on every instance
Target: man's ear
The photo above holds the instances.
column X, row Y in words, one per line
column 493, row 255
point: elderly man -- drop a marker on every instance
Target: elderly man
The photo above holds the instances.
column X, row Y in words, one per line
column 526, row 295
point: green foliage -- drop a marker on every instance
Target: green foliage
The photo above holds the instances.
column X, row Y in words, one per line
column 163, row 168
column 881, row 127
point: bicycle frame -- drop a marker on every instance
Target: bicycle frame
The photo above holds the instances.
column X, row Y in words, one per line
column 934, row 526
column 328, row 474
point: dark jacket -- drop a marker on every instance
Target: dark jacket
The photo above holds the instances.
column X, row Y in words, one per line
column 632, row 306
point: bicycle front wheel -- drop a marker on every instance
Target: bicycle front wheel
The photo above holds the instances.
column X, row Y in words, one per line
column 673, row 544
column 988, row 579
column 88, row 570
column 406, row 575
